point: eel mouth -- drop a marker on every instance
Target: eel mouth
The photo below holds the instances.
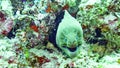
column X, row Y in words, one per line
column 72, row 49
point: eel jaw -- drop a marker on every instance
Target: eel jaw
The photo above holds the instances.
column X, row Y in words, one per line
column 71, row 51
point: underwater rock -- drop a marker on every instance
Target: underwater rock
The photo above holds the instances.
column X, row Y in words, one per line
column 11, row 34
column 68, row 34
column 6, row 23
column 97, row 38
column 2, row 16
column 42, row 60
column 11, row 59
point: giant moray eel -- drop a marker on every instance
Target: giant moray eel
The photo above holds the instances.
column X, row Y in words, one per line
column 67, row 34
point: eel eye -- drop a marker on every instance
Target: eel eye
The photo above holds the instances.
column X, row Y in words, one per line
column 65, row 40
column 77, row 37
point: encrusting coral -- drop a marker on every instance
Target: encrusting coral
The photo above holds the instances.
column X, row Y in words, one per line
column 6, row 23
column 59, row 34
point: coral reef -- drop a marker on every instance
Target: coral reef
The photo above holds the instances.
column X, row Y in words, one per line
column 26, row 26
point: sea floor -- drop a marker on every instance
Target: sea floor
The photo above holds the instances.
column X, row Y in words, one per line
column 25, row 27
column 52, row 58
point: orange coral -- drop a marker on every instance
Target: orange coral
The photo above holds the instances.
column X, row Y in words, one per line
column 65, row 7
column 48, row 9
column 42, row 60
column 35, row 28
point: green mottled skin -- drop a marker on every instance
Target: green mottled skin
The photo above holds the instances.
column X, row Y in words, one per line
column 69, row 34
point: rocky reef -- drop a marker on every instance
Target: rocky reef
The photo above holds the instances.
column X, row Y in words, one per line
column 59, row 34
